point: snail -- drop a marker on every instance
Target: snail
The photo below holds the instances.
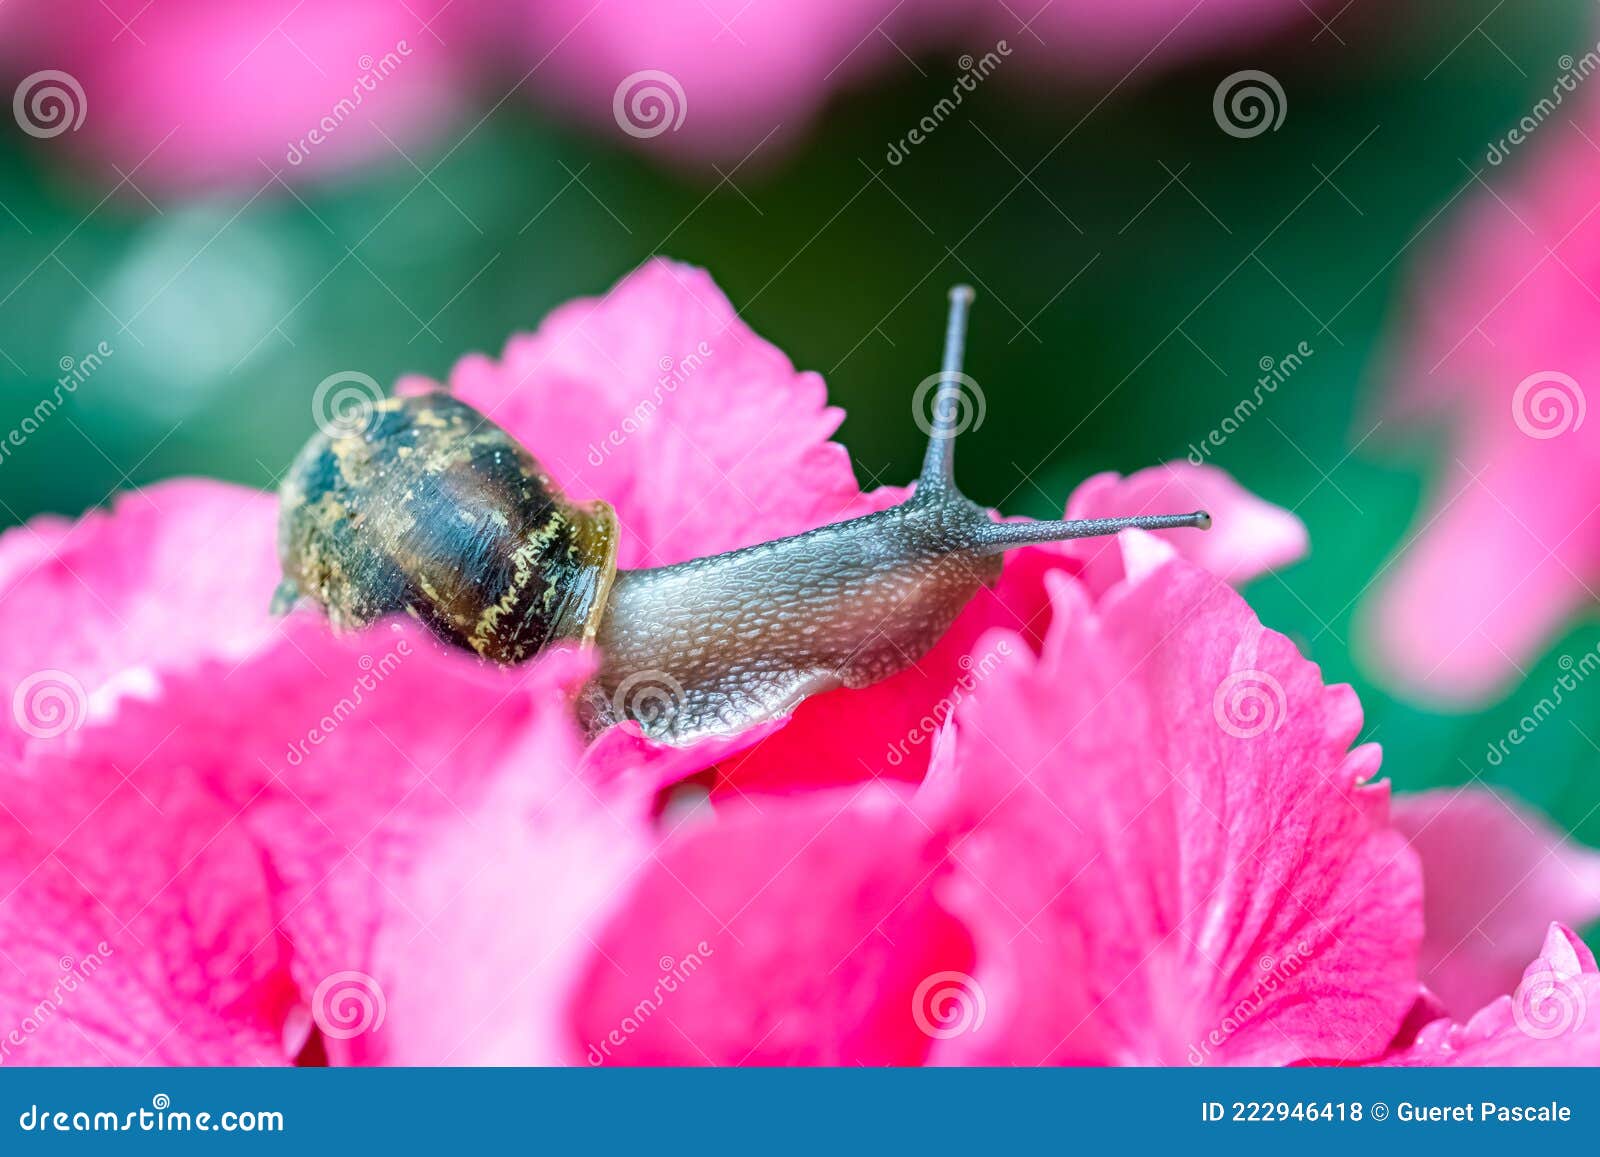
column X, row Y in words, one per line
column 433, row 510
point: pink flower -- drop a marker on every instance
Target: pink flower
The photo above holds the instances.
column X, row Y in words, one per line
column 175, row 94
column 1502, row 347
column 727, row 82
column 1142, row 834
column 1548, row 1020
column 1149, row 843
column 1494, row 876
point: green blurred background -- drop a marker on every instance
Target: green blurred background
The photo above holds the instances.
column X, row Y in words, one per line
column 1150, row 254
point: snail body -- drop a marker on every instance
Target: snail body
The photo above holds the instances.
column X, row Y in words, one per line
column 432, row 510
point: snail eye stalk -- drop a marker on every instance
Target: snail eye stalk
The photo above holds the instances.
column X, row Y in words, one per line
column 938, row 464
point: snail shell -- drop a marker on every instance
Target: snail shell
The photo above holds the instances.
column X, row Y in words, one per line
column 434, row 510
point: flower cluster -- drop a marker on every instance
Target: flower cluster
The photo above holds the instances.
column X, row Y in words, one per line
column 1146, row 834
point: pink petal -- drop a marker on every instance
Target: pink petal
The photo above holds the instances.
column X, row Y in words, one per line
column 1502, row 346
column 95, row 610
column 1494, row 875
column 784, row 932
column 1249, row 536
column 1173, row 855
column 192, row 92
column 1550, row 1019
column 1504, row 562
column 415, row 825
column 660, row 400
column 135, row 922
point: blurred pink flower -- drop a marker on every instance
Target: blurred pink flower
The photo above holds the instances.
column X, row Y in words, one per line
column 716, row 81
column 190, row 92
column 1547, row 1020
column 1494, row 875
column 232, row 839
column 1501, row 346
